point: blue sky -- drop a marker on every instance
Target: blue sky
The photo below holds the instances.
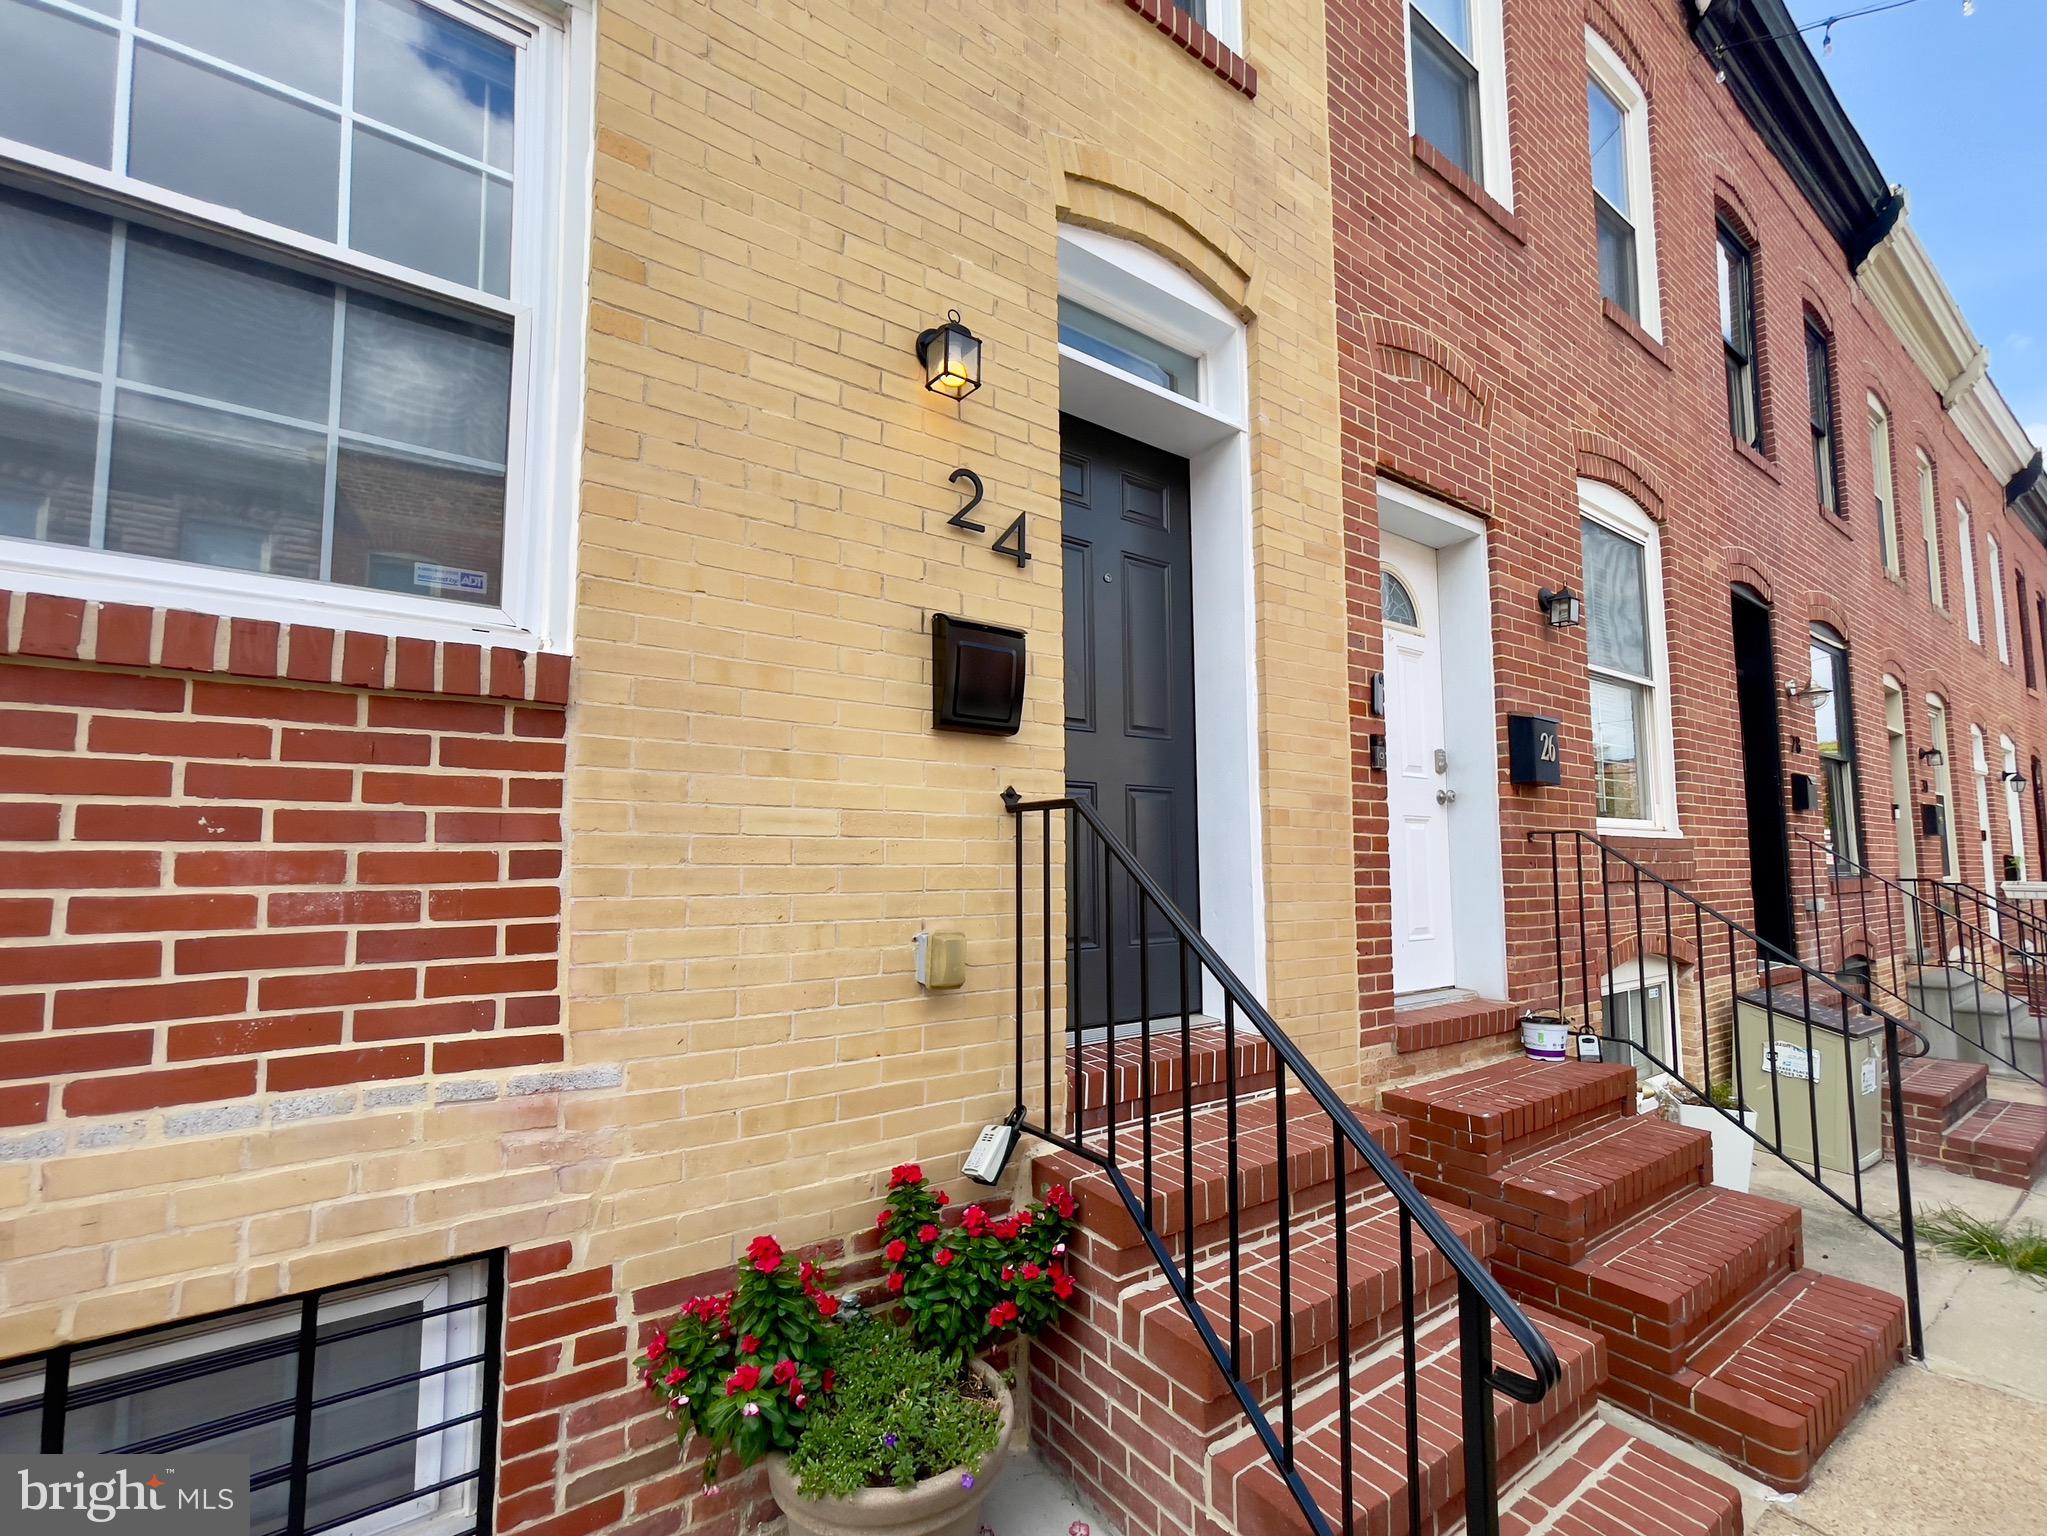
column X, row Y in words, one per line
column 1951, row 106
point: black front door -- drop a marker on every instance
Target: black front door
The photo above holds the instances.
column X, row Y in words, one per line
column 1129, row 712
column 1762, row 770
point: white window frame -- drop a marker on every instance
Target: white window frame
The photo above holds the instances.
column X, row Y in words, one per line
column 554, row 157
column 1488, row 56
column 1994, row 564
column 1929, row 530
column 1618, row 514
column 1619, row 83
column 1880, row 476
column 1638, row 975
column 1972, row 607
column 1224, row 20
column 2014, row 817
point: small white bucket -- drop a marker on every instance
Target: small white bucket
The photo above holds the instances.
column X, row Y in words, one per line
column 1544, row 1039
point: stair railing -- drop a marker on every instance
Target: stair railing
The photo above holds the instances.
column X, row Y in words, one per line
column 1916, row 923
column 1618, row 913
column 1105, row 888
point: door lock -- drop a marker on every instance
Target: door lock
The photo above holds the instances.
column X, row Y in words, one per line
column 1446, row 796
column 1442, row 761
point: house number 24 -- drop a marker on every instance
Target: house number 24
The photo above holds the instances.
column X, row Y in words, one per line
column 1011, row 542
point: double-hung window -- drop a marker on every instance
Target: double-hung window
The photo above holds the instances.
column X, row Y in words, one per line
column 1617, row 120
column 363, row 1410
column 2018, row 579
column 1880, row 478
column 1833, row 735
column 1965, row 539
column 1929, row 530
column 1738, row 338
column 1943, row 783
column 1819, row 389
column 1995, row 566
column 1457, row 88
column 289, row 306
column 1625, row 651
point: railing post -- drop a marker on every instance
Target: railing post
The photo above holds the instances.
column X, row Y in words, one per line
column 1010, row 800
column 1906, row 1223
column 1481, row 1457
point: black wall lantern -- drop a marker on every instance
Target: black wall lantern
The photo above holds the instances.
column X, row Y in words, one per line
column 951, row 355
column 1561, row 607
column 1932, row 755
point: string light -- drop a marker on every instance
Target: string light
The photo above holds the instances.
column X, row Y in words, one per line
column 1824, row 26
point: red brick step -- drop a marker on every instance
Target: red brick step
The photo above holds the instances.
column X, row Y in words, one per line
column 1248, row 1493
column 1610, row 1482
column 1452, row 1023
column 1154, row 1318
column 1484, row 1118
column 1952, row 1122
column 1775, row 1387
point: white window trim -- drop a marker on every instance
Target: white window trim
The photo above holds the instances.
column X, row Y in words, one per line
column 1489, row 57
column 2008, row 755
column 554, row 160
column 1638, row 975
column 1995, row 564
column 1619, row 83
column 1972, row 606
column 1614, row 511
column 1887, row 501
column 1225, row 22
column 1929, row 531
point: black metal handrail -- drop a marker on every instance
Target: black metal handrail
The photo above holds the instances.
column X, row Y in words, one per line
column 1756, row 972
column 1481, row 1300
column 1921, row 922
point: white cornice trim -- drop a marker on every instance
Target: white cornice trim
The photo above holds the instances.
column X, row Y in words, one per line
column 1901, row 280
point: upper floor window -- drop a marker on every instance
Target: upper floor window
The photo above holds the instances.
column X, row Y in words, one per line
column 1929, row 530
column 1819, row 388
column 1943, row 784
column 1880, row 478
column 1965, row 540
column 1617, row 117
column 284, row 307
column 1997, row 620
column 2025, row 628
column 1738, row 338
column 1222, row 18
column 1627, row 656
column 1833, row 736
column 1457, row 87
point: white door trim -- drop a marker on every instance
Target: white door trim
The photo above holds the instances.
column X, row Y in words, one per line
column 1212, row 432
column 1471, row 726
column 1418, row 818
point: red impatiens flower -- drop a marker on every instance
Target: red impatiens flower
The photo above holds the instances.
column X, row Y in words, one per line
column 882, row 1218
column 785, row 1373
column 1060, row 1198
column 927, row 1233
column 749, row 1345
column 745, row 1379
column 897, row 1251
column 657, row 1346
column 827, row 1306
column 1002, row 1314
column 1024, row 1218
column 1008, row 1273
column 676, row 1377
column 904, row 1173
column 1007, row 1230
column 1062, row 1285
column 942, row 1258
column 765, row 1253
column 1030, row 1271
column 895, row 1283
column 831, row 1379
column 975, row 1220
column 943, row 1198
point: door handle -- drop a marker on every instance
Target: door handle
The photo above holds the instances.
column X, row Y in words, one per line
column 1445, row 796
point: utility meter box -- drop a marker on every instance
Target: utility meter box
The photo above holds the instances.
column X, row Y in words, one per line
column 1812, row 1065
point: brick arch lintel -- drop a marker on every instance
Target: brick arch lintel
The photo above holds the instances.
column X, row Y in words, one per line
column 1409, row 350
column 1680, row 951
column 1746, row 567
column 1612, row 462
column 1733, row 207
column 1821, row 608
column 1602, row 20
column 1120, row 196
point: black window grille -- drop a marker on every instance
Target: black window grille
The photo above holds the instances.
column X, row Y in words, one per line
column 362, row 1407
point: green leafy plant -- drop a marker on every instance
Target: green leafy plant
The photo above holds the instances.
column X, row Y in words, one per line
column 2019, row 1246
column 1723, row 1095
column 900, row 1414
column 745, row 1370
column 964, row 1288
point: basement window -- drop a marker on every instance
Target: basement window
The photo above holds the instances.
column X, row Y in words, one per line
column 1642, row 1025
column 364, row 1410
column 286, row 296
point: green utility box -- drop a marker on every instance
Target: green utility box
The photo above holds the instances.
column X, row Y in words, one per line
column 1803, row 1057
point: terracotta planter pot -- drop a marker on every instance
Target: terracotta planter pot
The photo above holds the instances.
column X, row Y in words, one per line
column 938, row 1506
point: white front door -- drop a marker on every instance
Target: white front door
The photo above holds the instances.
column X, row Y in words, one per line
column 1418, row 795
